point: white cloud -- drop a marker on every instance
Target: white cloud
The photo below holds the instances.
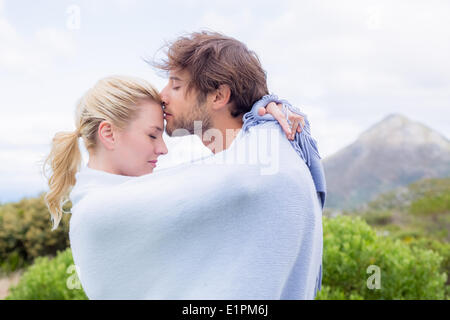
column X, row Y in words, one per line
column 22, row 129
column 19, row 53
column 20, row 174
column 126, row 4
column 57, row 42
column 215, row 21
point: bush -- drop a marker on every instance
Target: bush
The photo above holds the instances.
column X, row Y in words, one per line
column 49, row 279
column 25, row 233
column 379, row 218
column 409, row 268
column 406, row 272
column 442, row 248
column 13, row 261
column 327, row 293
column 431, row 204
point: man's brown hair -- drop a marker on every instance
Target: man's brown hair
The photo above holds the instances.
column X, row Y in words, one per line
column 212, row 59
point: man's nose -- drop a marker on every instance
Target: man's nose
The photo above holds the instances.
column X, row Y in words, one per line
column 164, row 96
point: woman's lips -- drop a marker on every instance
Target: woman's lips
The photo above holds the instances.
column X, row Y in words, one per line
column 153, row 163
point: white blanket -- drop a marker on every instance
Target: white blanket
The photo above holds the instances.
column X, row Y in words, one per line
column 214, row 229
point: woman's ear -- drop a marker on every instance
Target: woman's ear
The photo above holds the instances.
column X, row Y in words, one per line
column 221, row 97
column 106, row 134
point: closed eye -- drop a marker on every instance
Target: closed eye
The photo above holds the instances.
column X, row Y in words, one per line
column 153, row 137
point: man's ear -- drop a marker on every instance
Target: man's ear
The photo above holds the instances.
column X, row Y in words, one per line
column 221, row 97
column 106, row 134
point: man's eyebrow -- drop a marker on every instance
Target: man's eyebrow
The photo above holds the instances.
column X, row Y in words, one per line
column 175, row 78
column 157, row 128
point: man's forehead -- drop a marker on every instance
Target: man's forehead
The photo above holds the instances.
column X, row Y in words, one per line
column 175, row 78
column 179, row 75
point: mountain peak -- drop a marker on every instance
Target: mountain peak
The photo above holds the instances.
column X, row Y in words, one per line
column 396, row 129
column 395, row 116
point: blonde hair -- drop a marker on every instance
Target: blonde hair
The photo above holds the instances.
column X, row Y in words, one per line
column 113, row 99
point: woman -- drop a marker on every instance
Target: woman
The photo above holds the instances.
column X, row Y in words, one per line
column 189, row 232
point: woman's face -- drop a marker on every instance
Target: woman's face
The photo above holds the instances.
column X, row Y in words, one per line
column 138, row 146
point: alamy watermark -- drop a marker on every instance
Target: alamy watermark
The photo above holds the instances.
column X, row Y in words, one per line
column 374, row 281
column 73, row 281
column 260, row 148
column 73, row 21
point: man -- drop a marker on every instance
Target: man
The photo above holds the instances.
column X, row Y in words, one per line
column 213, row 81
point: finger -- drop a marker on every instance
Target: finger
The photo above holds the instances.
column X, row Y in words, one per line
column 278, row 114
column 294, row 128
column 302, row 124
column 261, row 111
column 271, row 108
column 297, row 118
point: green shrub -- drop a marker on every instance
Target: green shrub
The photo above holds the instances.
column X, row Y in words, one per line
column 409, row 268
column 431, row 197
column 406, row 272
column 431, row 204
column 382, row 217
column 25, row 233
column 49, row 279
column 327, row 293
column 13, row 261
column 443, row 248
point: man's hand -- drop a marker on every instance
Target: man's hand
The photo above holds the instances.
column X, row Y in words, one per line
column 290, row 126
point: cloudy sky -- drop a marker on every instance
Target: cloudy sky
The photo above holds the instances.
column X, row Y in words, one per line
column 347, row 64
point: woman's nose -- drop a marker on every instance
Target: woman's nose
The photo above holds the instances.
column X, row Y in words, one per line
column 162, row 149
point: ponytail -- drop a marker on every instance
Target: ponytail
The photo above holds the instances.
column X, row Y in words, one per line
column 64, row 160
